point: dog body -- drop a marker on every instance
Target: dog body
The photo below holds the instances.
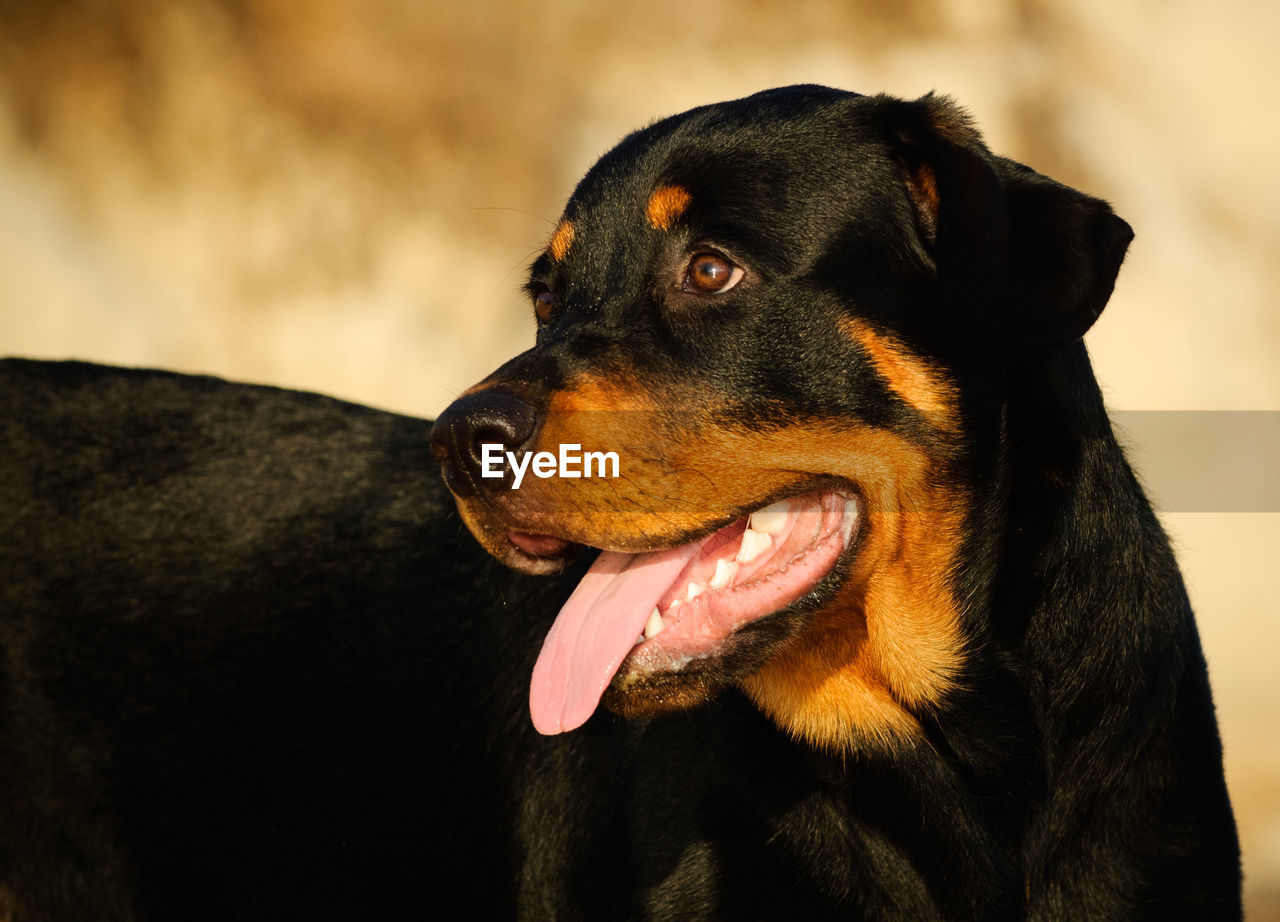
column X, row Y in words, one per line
column 921, row 649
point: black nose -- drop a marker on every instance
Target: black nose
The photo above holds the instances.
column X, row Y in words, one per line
column 467, row 425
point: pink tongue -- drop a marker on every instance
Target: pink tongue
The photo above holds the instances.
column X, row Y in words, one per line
column 596, row 630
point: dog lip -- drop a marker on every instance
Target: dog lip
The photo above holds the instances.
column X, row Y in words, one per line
column 538, row 550
column 541, row 545
column 823, row 484
column 539, row 526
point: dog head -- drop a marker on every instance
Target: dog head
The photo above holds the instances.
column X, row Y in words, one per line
column 779, row 322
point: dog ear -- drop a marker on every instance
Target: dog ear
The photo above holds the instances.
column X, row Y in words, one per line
column 1025, row 260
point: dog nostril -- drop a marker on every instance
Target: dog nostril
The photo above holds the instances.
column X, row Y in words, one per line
column 476, row 420
column 491, row 435
column 502, row 420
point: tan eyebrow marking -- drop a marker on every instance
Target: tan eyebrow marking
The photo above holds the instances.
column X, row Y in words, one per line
column 561, row 240
column 666, row 204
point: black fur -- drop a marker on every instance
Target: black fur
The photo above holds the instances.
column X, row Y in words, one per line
column 253, row 667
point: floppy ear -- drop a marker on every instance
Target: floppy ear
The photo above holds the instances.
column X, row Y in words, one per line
column 1024, row 260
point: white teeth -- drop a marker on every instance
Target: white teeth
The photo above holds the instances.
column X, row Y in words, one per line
column 771, row 519
column 726, row 570
column 754, row 544
column 653, row 627
column 694, row 590
column 850, row 519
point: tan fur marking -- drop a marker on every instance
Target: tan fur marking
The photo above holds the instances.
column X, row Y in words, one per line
column 917, row 381
column 834, row 706
column 595, row 394
column 666, row 205
column 886, row 649
column 561, row 240
column 890, row 644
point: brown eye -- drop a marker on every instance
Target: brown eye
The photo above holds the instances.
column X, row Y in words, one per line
column 543, row 303
column 711, row 274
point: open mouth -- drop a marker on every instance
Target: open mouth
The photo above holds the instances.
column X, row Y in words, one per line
column 660, row 610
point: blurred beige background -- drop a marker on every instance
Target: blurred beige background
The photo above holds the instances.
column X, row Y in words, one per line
column 341, row 196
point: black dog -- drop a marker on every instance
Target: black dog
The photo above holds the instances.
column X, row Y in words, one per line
column 868, row 505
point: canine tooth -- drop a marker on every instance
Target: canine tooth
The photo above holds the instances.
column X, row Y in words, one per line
column 653, row 627
column 770, row 520
column 694, row 590
column 726, row 570
column 754, row 543
column 850, row 519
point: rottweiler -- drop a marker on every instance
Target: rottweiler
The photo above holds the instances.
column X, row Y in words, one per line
column 810, row 582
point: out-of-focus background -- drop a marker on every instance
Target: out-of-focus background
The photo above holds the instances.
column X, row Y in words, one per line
column 341, row 195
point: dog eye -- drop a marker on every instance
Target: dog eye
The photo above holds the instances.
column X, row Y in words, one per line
column 711, row 274
column 544, row 303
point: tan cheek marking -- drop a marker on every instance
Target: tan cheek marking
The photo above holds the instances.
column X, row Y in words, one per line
column 889, row 645
column 920, row 383
column 823, row 690
column 648, row 499
column 561, row 240
column 666, row 205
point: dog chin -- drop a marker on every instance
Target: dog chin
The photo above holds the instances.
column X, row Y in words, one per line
column 637, row 696
column 527, row 552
